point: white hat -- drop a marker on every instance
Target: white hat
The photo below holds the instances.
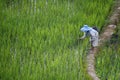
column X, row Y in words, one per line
column 85, row 28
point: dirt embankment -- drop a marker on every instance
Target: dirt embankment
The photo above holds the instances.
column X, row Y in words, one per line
column 104, row 36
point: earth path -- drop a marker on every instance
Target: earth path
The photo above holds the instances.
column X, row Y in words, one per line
column 105, row 35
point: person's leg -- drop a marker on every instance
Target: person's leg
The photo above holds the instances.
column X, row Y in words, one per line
column 94, row 43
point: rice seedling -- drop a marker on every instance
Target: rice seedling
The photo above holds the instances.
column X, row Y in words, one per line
column 107, row 62
column 38, row 38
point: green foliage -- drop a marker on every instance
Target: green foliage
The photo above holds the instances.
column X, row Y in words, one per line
column 38, row 38
column 107, row 64
column 107, row 61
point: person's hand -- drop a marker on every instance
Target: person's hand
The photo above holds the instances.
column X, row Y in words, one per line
column 80, row 38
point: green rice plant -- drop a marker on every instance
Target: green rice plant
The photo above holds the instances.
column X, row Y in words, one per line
column 109, row 66
column 38, row 38
column 107, row 61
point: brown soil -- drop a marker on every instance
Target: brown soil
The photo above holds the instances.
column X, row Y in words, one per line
column 105, row 36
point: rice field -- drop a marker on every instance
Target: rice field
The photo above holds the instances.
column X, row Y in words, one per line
column 108, row 61
column 38, row 38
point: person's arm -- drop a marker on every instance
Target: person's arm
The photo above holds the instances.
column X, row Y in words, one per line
column 83, row 36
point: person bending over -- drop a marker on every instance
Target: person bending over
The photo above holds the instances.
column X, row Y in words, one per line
column 93, row 33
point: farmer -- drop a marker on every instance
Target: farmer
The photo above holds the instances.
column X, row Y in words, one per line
column 93, row 33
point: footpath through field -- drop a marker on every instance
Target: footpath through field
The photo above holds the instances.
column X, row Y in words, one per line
column 104, row 36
